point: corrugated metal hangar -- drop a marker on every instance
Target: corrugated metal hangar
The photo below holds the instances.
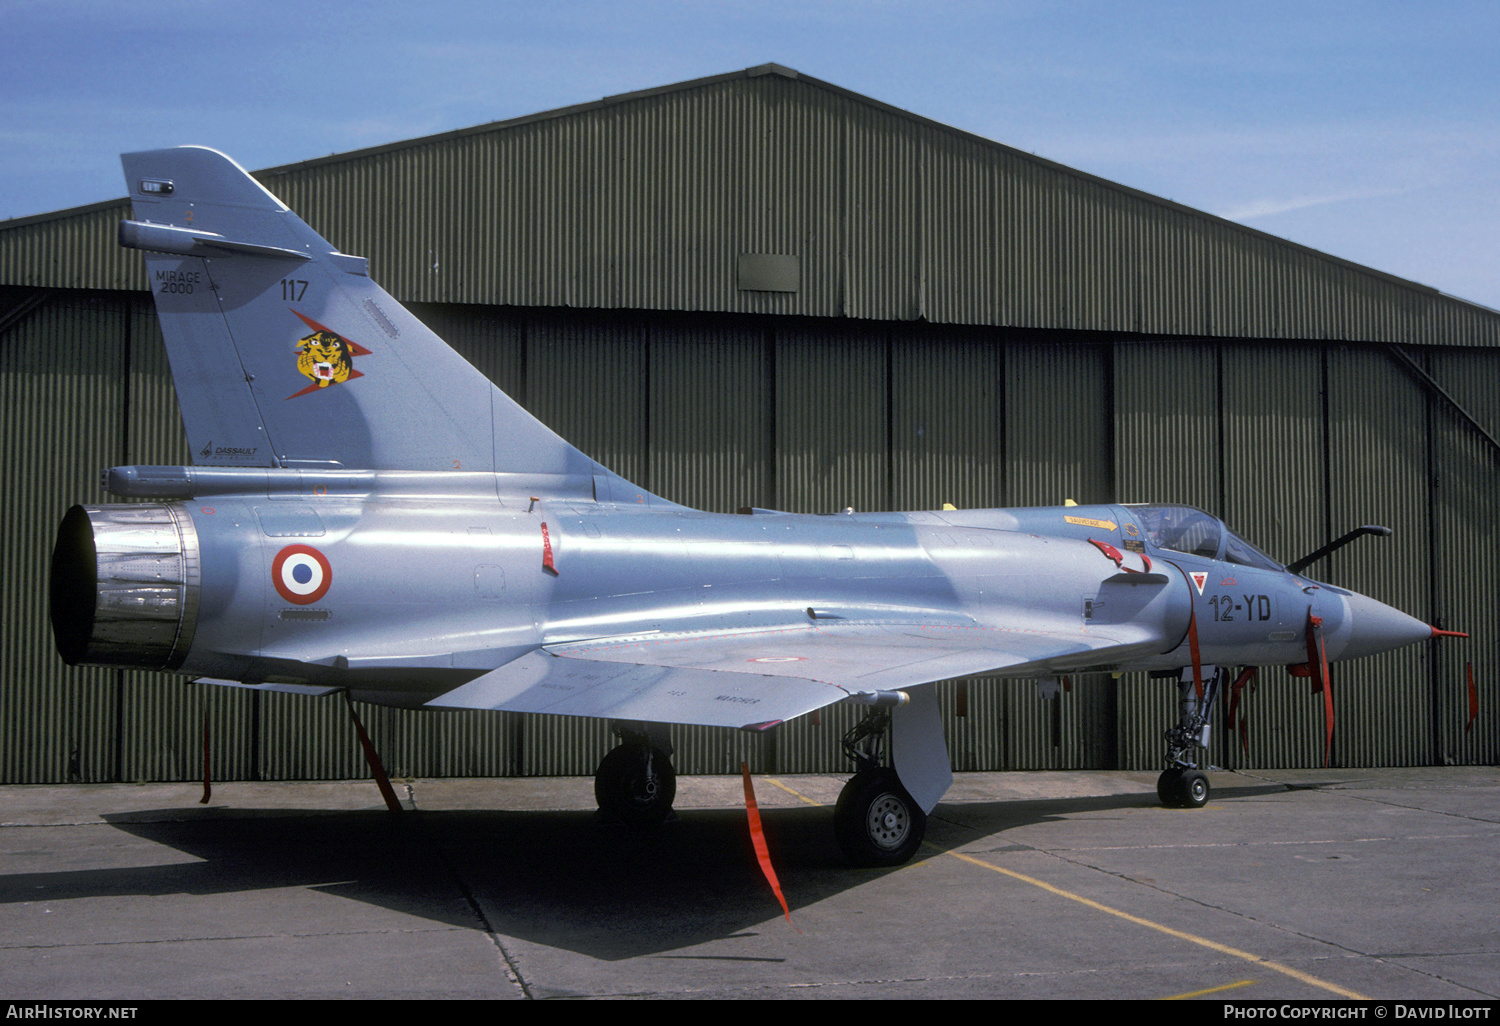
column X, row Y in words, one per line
column 761, row 289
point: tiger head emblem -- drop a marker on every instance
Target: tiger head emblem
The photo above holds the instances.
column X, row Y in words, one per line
column 325, row 357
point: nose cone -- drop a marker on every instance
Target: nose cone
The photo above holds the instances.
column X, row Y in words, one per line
column 1371, row 627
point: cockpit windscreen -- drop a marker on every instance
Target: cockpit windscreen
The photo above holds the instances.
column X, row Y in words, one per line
column 1185, row 529
column 1181, row 529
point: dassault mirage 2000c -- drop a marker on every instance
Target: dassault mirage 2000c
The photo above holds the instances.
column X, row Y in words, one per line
column 369, row 513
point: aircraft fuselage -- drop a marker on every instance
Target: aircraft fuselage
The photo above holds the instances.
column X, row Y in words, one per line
column 403, row 594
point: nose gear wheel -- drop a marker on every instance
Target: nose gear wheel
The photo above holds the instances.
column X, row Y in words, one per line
column 1180, row 788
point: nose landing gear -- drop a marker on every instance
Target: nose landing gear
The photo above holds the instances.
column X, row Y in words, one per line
column 1182, row 785
column 1182, row 788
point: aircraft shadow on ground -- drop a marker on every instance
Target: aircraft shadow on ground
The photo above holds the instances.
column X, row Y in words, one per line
column 572, row 880
column 568, row 879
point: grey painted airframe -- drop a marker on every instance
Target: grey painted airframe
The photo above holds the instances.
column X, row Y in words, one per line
column 367, row 512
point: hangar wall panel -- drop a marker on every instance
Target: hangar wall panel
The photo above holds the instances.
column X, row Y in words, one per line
column 832, row 448
column 72, row 249
column 1075, row 728
column 1294, row 442
column 947, row 434
column 975, row 723
column 1467, row 561
column 62, row 371
column 1380, row 465
column 1167, row 423
column 303, row 738
column 561, row 745
column 1167, row 450
column 588, row 381
column 1059, row 423
column 1275, row 485
column 710, row 423
column 1275, row 468
column 650, row 200
column 881, row 201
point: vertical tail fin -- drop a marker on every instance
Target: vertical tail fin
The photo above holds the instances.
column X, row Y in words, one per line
column 285, row 354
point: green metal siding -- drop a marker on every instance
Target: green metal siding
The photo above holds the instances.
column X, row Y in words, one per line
column 71, row 249
column 1293, row 443
column 63, row 402
column 710, row 425
column 832, row 449
column 1059, row 422
column 1466, row 480
column 587, row 379
column 947, row 434
column 1378, row 459
column 648, row 201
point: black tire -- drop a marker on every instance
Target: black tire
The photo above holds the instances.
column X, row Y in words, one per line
column 636, row 785
column 1193, row 790
column 1169, row 787
column 877, row 823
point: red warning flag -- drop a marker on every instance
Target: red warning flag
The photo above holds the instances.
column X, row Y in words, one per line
column 372, row 757
column 1247, row 676
column 208, row 787
column 1317, row 662
column 758, row 839
column 547, row 549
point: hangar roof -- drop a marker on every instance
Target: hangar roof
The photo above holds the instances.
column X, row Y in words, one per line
column 767, row 191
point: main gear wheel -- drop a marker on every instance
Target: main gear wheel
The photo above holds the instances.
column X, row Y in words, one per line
column 876, row 821
column 636, row 784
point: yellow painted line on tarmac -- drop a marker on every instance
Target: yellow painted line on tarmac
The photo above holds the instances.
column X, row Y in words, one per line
column 794, row 794
column 1208, row 990
column 1223, row 949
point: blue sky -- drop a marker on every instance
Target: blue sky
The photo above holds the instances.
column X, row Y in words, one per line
column 1366, row 130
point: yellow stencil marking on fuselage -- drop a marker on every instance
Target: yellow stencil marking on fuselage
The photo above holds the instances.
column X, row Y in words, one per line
column 1103, row 525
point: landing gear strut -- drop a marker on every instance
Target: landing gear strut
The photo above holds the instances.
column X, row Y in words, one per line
column 1182, row 785
column 876, row 822
column 635, row 782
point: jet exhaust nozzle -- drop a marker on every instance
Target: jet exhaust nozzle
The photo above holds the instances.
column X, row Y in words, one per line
column 125, row 585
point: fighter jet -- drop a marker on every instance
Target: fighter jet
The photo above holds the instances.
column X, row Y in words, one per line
column 368, row 513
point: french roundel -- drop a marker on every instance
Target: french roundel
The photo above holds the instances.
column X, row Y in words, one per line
column 301, row 574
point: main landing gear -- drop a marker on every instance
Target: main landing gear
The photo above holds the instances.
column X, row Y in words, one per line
column 1182, row 785
column 635, row 782
column 875, row 821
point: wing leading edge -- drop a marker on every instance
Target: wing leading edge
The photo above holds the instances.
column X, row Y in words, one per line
column 755, row 679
